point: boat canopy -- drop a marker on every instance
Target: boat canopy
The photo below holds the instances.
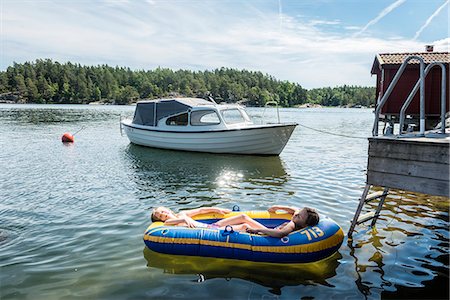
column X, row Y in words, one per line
column 150, row 112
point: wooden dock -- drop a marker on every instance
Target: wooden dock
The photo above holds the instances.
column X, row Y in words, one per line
column 417, row 164
column 416, row 161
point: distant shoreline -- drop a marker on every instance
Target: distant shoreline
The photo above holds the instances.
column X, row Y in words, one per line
column 303, row 106
column 47, row 81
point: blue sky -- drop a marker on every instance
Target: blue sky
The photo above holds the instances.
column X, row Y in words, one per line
column 313, row 42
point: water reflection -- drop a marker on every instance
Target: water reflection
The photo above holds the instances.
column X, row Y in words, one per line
column 390, row 256
column 65, row 207
column 273, row 276
column 175, row 176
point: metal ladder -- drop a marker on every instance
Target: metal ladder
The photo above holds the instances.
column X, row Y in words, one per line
column 366, row 198
column 420, row 84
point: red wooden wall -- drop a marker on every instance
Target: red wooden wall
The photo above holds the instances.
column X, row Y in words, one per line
column 405, row 85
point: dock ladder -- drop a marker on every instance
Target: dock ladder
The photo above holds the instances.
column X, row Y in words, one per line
column 373, row 215
column 420, row 85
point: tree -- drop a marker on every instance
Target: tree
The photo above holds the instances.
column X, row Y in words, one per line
column 32, row 91
column 45, row 89
column 19, row 83
column 96, row 94
column 126, row 95
column 66, row 93
column 4, row 86
column 74, row 83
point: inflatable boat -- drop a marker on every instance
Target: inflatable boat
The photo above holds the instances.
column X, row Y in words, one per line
column 309, row 244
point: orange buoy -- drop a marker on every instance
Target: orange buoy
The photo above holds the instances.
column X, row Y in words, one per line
column 67, row 138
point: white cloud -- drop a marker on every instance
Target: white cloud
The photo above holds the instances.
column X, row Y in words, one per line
column 430, row 18
column 116, row 2
column 352, row 27
column 193, row 35
column 380, row 16
column 442, row 45
column 324, row 22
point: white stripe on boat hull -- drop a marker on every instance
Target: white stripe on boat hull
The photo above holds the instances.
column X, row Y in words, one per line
column 263, row 140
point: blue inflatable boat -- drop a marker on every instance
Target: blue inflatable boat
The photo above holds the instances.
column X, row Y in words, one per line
column 309, row 244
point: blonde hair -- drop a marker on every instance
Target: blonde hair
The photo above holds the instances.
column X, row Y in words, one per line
column 155, row 218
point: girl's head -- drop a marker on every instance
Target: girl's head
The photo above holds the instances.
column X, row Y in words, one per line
column 162, row 214
column 305, row 217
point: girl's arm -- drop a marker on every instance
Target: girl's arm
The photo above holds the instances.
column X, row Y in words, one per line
column 206, row 210
column 278, row 233
column 282, row 226
column 182, row 219
column 288, row 209
column 175, row 221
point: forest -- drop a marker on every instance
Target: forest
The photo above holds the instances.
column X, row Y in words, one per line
column 47, row 81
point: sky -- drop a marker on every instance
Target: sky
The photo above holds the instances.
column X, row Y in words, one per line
column 315, row 43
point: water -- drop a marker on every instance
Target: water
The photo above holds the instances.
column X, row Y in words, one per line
column 72, row 217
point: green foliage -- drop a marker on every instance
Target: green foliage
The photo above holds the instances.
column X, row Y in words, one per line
column 45, row 81
column 341, row 96
column 126, row 95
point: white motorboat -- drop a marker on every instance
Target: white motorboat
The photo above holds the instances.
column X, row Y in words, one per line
column 192, row 124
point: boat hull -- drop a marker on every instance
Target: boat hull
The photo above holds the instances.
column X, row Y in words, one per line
column 255, row 140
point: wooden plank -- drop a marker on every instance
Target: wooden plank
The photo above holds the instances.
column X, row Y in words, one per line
column 409, row 183
column 431, row 138
column 374, row 196
column 428, row 152
column 366, row 217
column 421, row 169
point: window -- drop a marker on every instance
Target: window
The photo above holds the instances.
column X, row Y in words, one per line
column 178, row 120
column 144, row 114
column 204, row 117
column 233, row 116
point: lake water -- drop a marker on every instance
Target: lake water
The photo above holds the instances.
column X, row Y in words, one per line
column 72, row 217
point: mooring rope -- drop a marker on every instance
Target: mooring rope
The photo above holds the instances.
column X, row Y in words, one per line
column 332, row 133
column 83, row 127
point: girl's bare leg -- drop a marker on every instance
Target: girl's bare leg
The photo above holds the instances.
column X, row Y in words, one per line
column 240, row 227
column 239, row 220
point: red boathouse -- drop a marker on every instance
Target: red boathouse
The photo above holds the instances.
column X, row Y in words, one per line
column 386, row 65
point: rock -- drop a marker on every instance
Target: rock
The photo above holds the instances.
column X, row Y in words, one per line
column 10, row 97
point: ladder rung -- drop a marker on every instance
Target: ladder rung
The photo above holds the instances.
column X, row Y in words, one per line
column 375, row 195
column 365, row 217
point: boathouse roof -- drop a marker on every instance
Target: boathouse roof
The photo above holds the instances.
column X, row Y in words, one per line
column 385, row 67
column 395, row 59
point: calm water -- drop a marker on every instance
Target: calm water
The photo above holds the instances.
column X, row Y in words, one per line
column 72, row 217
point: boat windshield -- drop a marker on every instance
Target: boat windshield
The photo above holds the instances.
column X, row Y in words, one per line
column 235, row 116
column 204, row 117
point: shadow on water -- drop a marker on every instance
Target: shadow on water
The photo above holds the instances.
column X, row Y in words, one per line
column 160, row 173
column 405, row 256
column 273, row 276
column 253, row 167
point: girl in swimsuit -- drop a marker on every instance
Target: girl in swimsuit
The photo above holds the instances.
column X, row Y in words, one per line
column 300, row 218
column 184, row 218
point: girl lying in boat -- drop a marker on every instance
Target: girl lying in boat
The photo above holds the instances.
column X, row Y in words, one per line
column 301, row 218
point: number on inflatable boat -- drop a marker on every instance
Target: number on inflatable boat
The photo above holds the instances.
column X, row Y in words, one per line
column 314, row 231
column 318, row 231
